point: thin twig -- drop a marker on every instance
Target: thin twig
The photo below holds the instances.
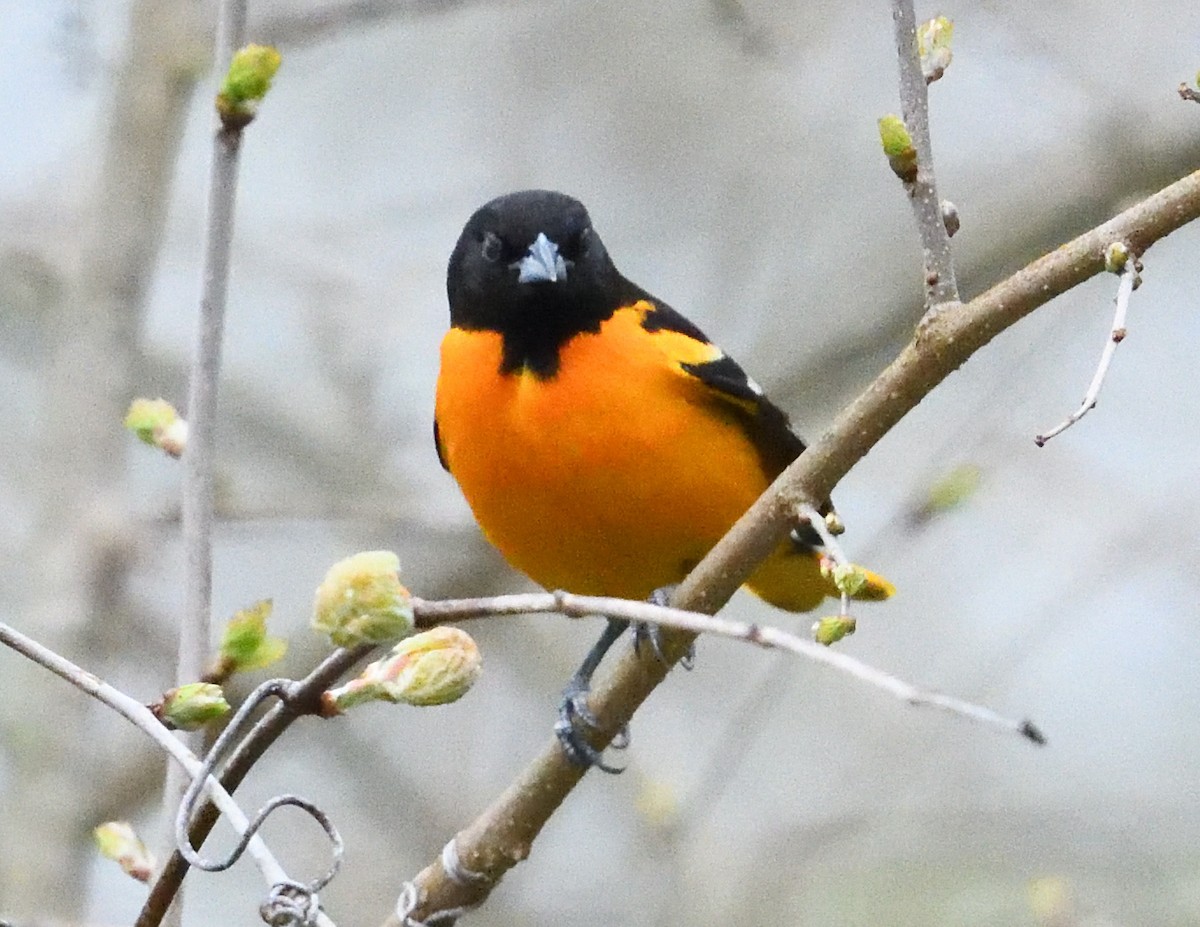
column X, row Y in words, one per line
column 197, row 489
column 1116, row 335
column 941, row 287
column 195, row 630
column 504, row 833
column 143, row 719
column 832, row 548
column 583, row 606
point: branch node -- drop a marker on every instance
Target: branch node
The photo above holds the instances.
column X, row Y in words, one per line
column 456, row 871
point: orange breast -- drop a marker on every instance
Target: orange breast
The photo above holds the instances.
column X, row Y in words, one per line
column 613, row 477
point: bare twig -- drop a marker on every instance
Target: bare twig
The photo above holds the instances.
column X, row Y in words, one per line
column 195, row 629
column 142, row 718
column 503, row 834
column 1189, row 93
column 582, row 606
column 1129, row 277
column 941, row 287
column 195, row 633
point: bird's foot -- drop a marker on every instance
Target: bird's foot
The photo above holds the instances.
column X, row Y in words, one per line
column 651, row 635
column 574, row 725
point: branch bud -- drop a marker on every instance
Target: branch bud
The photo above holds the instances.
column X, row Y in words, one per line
column 361, row 601
column 830, row 630
column 246, row 83
column 1116, row 256
column 245, row 644
column 898, row 147
column 855, row 581
column 191, row 706
column 155, row 422
column 933, row 45
column 950, row 218
column 116, row 840
column 431, row 668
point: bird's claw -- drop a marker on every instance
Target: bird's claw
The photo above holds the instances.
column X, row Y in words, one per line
column 575, row 721
column 652, row 634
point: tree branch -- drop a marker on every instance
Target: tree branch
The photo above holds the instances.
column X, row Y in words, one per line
column 584, row 606
column 503, row 834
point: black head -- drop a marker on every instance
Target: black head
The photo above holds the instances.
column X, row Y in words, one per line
column 530, row 266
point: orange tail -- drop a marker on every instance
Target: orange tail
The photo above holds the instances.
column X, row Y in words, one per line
column 792, row 579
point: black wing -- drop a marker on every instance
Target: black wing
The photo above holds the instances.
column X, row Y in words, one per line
column 764, row 422
column 437, row 443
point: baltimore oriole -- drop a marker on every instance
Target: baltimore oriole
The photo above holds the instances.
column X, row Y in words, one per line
column 603, row 443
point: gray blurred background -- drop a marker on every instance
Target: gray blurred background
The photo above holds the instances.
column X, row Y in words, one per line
column 727, row 150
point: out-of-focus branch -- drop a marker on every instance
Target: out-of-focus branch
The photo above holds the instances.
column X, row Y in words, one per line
column 318, row 23
column 941, row 287
column 503, row 834
column 94, row 338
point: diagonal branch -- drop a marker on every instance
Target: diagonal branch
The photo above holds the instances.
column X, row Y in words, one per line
column 503, row 834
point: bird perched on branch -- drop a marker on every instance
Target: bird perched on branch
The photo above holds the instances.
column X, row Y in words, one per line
column 603, row 443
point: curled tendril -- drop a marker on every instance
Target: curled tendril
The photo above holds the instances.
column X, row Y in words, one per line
column 279, row 688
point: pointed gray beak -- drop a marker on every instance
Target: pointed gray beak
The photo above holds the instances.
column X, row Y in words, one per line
column 542, row 264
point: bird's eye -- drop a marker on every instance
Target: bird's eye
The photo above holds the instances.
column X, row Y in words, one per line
column 492, row 246
column 577, row 244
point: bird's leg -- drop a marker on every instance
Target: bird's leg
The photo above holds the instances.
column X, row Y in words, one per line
column 574, row 716
column 652, row 634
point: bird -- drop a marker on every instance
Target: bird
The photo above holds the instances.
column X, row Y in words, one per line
column 603, row 443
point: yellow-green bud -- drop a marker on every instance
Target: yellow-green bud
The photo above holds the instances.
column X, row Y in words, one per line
column 155, row 422
column 430, row 668
column 933, row 45
column 361, row 601
column 898, row 146
column 246, row 83
column 849, row 578
column 117, row 841
column 1116, row 256
column 192, row 706
column 245, row 644
column 830, row 630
